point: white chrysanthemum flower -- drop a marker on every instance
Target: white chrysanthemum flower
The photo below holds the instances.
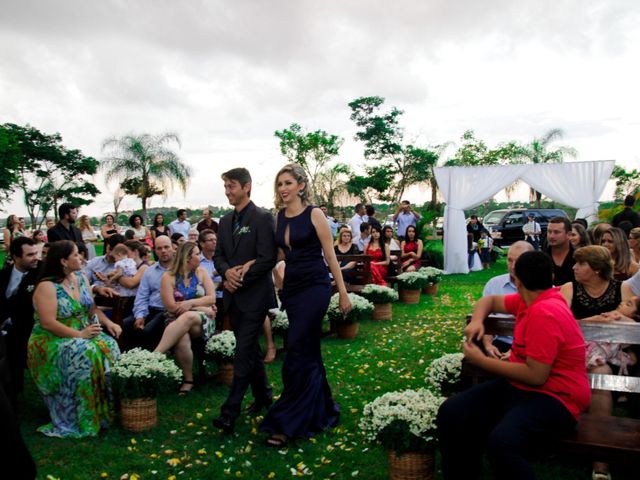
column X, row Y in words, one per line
column 444, row 371
column 222, row 346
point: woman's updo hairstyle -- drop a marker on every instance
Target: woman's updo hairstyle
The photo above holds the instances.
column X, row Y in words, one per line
column 297, row 172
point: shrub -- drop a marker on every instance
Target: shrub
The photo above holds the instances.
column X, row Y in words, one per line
column 361, row 309
column 379, row 293
column 221, row 347
column 140, row 373
column 402, row 421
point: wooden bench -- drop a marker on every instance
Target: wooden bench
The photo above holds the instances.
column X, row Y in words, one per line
column 116, row 309
column 361, row 274
column 613, row 439
column 392, row 279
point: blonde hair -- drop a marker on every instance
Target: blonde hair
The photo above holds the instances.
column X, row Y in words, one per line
column 179, row 266
column 120, row 249
column 635, row 233
column 339, row 236
column 297, row 172
column 84, row 222
column 598, row 258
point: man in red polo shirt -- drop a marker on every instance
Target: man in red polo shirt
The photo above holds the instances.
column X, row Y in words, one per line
column 542, row 390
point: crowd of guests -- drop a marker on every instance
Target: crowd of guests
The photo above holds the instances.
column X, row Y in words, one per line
column 543, row 387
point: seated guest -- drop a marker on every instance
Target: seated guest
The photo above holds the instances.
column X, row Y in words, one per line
column 99, row 267
column 344, row 246
column 634, row 244
column 193, row 235
column 129, row 267
column 177, row 239
column 364, row 237
column 207, row 242
column 188, row 295
column 144, row 328
column 39, row 239
column 504, row 285
column 543, row 387
column 593, row 293
column 597, row 231
column 560, row 250
column 379, row 253
column 579, row 236
column 387, row 235
column 616, row 242
column 411, row 248
column 16, row 308
column 68, row 353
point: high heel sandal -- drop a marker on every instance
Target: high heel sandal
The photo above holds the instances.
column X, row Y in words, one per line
column 184, row 391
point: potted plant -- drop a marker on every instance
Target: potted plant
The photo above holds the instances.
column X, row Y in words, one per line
column 404, row 423
column 347, row 325
column 434, row 275
column 410, row 284
column 221, row 348
column 137, row 378
column 381, row 297
column 442, row 376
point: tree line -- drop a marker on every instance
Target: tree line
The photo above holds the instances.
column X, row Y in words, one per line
column 46, row 173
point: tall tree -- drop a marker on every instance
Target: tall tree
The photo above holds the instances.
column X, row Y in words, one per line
column 392, row 167
column 627, row 182
column 48, row 173
column 422, row 162
column 145, row 165
column 332, row 185
column 9, row 162
column 540, row 151
column 312, row 150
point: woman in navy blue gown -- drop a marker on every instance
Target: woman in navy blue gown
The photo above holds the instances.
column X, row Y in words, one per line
column 306, row 406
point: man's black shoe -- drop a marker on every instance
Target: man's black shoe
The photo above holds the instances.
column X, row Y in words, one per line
column 256, row 407
column 224, row 423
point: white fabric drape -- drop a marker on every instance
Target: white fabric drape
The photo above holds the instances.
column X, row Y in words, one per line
column 462, row 188
column 576, row 184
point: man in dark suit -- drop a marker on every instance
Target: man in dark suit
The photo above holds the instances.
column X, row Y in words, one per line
column 245, row 235
column 17, row 283
column 64, row 229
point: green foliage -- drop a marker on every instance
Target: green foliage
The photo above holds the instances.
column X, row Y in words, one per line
column 9, row 161
column 627, row 182
column 311, row 150
column 144, row 164
column 474, row 152
column 392, row 166
column 47, row 172
column 331, row 184
column 434, row 253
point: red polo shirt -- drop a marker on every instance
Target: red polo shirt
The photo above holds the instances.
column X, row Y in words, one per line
column 547, row 332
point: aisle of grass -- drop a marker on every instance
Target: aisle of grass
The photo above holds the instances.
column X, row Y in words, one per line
column 385, row 356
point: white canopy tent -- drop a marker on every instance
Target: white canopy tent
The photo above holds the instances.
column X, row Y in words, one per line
column 576, row 184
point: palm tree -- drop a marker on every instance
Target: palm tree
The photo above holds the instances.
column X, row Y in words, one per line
column 144, row 165
column 538, row 152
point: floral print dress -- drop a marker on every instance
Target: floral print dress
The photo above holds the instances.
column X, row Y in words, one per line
column 72, row 374
column 195, row 289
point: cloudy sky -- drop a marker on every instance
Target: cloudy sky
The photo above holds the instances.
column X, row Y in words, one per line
column 225, row 75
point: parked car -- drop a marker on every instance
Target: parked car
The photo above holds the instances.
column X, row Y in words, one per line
column 506, row 225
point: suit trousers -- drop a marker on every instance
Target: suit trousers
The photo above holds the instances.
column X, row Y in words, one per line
column 248, row 364
column 508, row 423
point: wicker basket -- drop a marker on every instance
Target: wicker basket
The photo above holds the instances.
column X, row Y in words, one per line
column 410, row 296
column 431, row 289
column 225, row 373
column 381, row 311
column 411, row 466
column 139, row 414
column 347, row 330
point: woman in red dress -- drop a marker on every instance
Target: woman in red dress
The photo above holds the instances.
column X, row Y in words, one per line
column 379, row 253
column 411, row 248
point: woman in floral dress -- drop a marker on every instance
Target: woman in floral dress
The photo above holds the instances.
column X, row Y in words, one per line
column 188, row 294
column 69, row 355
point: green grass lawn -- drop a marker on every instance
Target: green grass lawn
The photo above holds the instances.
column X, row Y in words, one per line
column 386, row 356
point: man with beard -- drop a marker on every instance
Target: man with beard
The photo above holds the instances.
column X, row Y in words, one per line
column 64, row 229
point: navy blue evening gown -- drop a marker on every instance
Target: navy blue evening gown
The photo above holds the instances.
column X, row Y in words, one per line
column 306, row 406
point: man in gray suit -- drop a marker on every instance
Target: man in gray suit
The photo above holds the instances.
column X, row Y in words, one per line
column 245, row 255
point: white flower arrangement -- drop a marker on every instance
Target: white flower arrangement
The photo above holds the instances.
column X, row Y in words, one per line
column 434, row 274
column 361, row 308
column 443, row 374
column 140, row 373
column 221, row 346
column 379, row 293
column 415, row 280
column 402, row 421
column 280, row 322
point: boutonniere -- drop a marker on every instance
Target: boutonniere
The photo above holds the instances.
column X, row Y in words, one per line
column 244, row 230
column 31, row 288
